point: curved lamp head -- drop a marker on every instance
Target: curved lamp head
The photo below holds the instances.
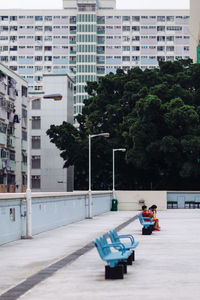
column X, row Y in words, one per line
column 120, row 149
column 104, row 134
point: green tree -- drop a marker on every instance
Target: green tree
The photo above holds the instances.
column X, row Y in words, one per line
column 154, row 114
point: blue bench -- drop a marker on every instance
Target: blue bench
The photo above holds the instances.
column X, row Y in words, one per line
column 147, row 223
column 117, row 260
column 115, row 238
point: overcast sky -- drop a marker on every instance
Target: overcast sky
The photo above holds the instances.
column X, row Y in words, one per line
column 122, row 4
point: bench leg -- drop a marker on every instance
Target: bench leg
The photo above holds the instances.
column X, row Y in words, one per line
column 146, row 231
column 130, row 260
column 114, row 273
column 124, row 264
column 133, row 255
column 151, row 227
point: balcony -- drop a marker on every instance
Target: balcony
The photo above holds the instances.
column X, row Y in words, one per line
column 100, row 71
column 100, row 42
column 12, row 93
column 60, row 61
column 101, row 32
column 23, row 188
column 3, row 138
column 24, row 145
column 26, row 61
column 24, row 100
column 3, row 188
column 113, row 61
column 11, row 142
column 60, row 51
column 100, row 21
column 12, row 165
column 11, row 188
column 24, row 167
column 100, row 62
column 60, row 70
column 2, row 88
column 148, row 61
column 26, row 71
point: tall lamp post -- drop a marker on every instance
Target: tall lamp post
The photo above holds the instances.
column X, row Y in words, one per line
column 106, row 135
column 55, row 97
column 114, row 150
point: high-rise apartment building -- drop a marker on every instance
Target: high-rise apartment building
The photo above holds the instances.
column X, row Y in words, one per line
column 13, row 131
column 88, row 39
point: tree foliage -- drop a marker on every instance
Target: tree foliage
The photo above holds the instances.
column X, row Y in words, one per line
column 154, row 114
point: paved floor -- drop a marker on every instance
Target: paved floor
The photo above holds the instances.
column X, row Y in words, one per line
column 167, row 265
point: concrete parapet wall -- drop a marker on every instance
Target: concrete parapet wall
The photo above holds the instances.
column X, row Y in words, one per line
column 133, row 200
column 49, row 211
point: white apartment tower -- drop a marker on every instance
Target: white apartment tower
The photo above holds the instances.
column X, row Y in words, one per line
column 88, row 39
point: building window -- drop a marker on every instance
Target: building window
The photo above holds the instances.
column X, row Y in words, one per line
column 38, row 58
column 38, row 18
column 36, row 122
column 24, row 135
column 48, row 18
column 161, row 18
column 36, row 104
column 35, row 182
column 12, row 214
column 24, row 157
column 160, row 28
column 170, row 18
column 35, row 162
column 136, row 19
column 170, row 48
column 36, row 142
column 38, row 38
column 125, row 18
column 13, row 18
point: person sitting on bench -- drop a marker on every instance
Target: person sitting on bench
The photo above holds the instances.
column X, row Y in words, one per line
column 145, row 213
column 152, row 214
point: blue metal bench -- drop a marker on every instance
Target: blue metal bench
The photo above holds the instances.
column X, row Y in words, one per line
column 116, row 260
column 147, row 223
column 115, row 238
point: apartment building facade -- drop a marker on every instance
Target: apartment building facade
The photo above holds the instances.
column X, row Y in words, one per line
column 195, row 30
column 13, row 131
column 47, row 172
column 88, row 39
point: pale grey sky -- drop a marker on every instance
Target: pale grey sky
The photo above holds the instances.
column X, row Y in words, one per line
column 122, row 4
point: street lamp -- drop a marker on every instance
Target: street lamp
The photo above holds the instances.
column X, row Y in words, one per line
column 106, row 135
column 114, row 150
column 55, row 97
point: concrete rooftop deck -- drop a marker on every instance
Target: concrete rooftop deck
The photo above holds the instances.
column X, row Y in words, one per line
column 167, row 263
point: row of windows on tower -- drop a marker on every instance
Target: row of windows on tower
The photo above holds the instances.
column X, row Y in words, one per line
column 82, row 18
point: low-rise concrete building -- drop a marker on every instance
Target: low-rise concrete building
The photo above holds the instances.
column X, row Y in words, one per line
column 47, row 172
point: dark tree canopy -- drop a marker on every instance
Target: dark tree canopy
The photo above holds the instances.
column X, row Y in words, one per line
column 154, row 114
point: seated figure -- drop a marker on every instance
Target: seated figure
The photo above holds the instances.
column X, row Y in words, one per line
column 152, row 213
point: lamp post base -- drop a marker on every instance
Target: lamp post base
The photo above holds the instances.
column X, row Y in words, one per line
column 28, row 237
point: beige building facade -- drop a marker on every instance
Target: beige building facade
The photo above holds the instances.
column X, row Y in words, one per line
column 194, row 29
